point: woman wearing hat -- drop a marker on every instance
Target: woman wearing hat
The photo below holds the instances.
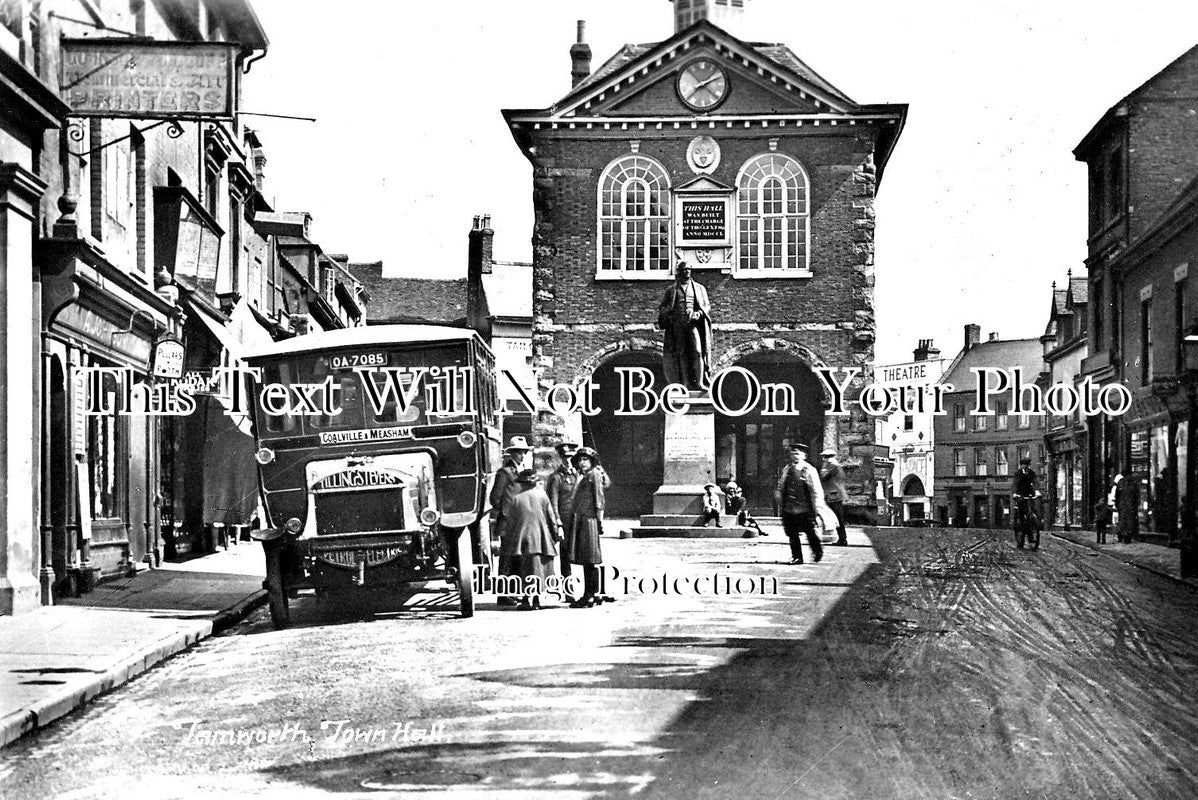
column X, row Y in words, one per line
column 587, row 505
column 528, row 535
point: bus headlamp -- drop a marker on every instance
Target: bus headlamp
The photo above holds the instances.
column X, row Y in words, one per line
column 264, row 456
column 293, row 525
column 467, row 439
column 429, row 517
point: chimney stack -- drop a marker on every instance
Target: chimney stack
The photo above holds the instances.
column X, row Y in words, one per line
column 478, row 264
column 994, row 336
column 926, row 351
column 580, row 56
column 973, row 335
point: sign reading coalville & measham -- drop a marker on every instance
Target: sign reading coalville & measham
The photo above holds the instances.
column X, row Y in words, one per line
column 140, row 79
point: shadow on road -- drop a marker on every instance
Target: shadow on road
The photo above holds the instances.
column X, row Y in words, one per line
column 931, row 676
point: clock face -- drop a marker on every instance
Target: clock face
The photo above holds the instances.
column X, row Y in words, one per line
column 702, row 85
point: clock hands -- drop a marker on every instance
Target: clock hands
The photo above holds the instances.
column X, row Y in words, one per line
column 701, row 84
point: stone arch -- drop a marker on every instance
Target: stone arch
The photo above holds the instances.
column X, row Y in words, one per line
column 772, row 344
column 910, row 484
column 628, row 344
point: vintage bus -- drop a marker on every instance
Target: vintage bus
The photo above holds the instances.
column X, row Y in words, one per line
column 375, row 449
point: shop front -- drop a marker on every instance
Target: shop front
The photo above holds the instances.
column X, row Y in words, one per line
column 100, row 486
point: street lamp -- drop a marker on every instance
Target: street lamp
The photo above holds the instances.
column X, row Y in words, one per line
column 1187, row 550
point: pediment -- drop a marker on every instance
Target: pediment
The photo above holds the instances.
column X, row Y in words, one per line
column 702, row 184
column 759, row 79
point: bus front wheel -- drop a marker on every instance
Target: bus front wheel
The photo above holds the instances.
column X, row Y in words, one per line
column 280, row 615
column 465, row 567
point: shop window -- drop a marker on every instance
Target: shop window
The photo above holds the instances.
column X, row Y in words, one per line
column 634, row 219
column 105, row 454
column 773, row 223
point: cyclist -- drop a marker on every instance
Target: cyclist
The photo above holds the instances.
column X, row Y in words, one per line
column 1024, row 491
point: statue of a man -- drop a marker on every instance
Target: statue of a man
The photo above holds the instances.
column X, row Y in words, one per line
column 685, row 315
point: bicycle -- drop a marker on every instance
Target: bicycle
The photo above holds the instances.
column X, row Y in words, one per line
column 1026, row 523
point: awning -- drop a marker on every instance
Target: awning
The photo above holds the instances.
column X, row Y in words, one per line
column 234, row 350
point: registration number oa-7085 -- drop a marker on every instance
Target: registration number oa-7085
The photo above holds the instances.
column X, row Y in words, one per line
column 352, row 360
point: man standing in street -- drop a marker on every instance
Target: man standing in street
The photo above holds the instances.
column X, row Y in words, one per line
column 514, row 458
column 832, row 479
column 797, row 496
column 560, row 488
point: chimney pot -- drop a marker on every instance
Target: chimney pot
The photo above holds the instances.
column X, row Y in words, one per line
column 580, row 57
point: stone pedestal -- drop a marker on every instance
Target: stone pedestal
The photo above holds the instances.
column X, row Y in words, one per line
column 689, row 459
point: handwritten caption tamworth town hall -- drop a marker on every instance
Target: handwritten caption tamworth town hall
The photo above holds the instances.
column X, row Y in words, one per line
column 449, row 391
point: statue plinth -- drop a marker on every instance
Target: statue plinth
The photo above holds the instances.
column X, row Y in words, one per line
column 688, row 458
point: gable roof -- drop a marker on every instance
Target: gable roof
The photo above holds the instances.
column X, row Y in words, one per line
column 1000, row 354
column 1119, row 109
column 774, row 61
column 779, row 54
column 411, row 300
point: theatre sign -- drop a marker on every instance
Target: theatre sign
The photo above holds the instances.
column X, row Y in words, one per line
column 145, row 79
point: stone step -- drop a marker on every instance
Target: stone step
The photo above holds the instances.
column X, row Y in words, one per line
column 686, row 532
column 690, row 520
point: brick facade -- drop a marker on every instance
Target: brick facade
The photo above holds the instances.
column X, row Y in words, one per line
column 581, row 320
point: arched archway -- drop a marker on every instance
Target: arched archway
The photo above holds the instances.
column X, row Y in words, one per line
column 752, row 448
column 630, row 446
column 913, row 486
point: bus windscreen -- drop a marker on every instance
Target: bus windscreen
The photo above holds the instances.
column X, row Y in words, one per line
column 403, row 381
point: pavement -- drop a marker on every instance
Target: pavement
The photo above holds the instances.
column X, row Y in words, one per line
column 1164, row 561
column 58, row 658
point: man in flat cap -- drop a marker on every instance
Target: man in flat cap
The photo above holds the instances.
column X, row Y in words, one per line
column 832, row 477
column 797, row 497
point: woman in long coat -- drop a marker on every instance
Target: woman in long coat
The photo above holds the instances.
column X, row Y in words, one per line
column 528, row 535
column 588, row 505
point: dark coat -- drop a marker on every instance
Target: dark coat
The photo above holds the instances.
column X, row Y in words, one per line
column 560, row 488
column 529, row 524
column 587, row 505
column 505, row 478
column 832, row 478
column 675, row 351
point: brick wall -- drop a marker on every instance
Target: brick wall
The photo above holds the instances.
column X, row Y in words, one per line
column 1163, row 136
column 826, row 319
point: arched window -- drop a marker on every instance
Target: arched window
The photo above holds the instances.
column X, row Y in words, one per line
column 774, row 225
column 634, row 218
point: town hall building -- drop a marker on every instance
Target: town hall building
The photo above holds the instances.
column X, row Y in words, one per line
column 739, row 159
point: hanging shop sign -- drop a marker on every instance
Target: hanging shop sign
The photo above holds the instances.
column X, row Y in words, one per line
column 168, row 359
column 149, row 80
